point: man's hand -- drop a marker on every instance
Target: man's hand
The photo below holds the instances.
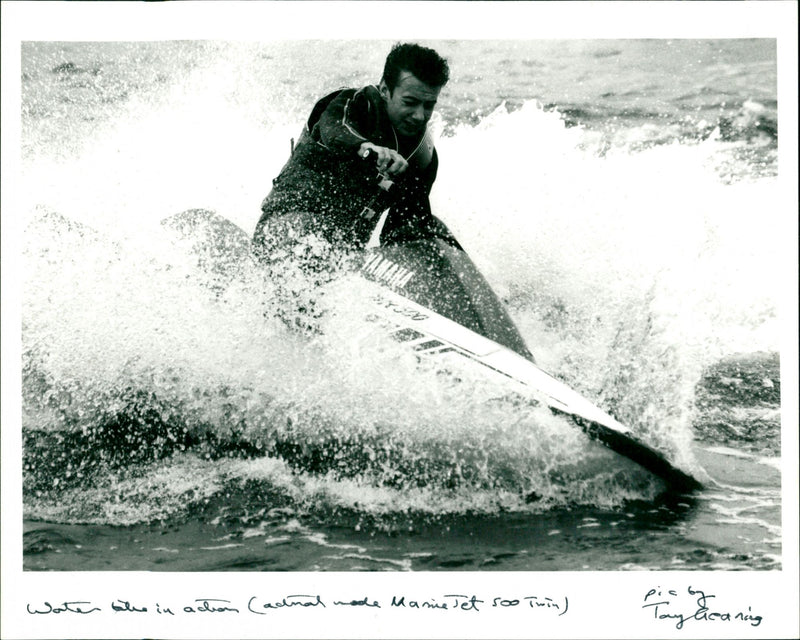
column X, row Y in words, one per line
column 389, row 161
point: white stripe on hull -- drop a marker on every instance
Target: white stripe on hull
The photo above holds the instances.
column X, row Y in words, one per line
column 402, row 312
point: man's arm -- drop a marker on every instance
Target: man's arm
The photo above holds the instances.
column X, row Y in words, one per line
column 351, row 125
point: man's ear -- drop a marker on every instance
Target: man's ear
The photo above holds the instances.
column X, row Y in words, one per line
column 384, row 89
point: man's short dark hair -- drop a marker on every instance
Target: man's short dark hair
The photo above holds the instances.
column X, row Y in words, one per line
column 427, row 65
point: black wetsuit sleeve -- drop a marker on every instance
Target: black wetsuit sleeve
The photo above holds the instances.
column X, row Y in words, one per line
column 349, row 120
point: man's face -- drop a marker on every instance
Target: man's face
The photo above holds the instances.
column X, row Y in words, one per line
column 411, row 104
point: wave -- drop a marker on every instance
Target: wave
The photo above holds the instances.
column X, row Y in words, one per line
column 139, row 366
column 753, row 123
column 70, row 68
column 739, row 401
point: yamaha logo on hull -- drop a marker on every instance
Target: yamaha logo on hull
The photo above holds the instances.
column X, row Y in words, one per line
column 391, row 273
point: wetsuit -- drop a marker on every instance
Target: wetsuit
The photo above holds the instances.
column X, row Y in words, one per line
column 330, row 184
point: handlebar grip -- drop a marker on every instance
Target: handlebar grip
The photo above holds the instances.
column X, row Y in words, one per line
column 384, row 181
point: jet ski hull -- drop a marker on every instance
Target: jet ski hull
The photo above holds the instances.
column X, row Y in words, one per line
column 430, row 291
column 432, row 335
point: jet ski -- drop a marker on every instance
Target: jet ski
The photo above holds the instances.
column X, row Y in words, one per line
column 434, row 299
column 426, row 293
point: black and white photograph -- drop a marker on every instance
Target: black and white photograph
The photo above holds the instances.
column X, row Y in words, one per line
column 317, row 327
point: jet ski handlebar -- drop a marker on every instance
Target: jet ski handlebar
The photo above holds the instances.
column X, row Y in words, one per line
column 390, row 191
column 385, row 182
column 385, row 192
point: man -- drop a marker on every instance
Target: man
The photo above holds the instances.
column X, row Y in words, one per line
column 326, row 183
